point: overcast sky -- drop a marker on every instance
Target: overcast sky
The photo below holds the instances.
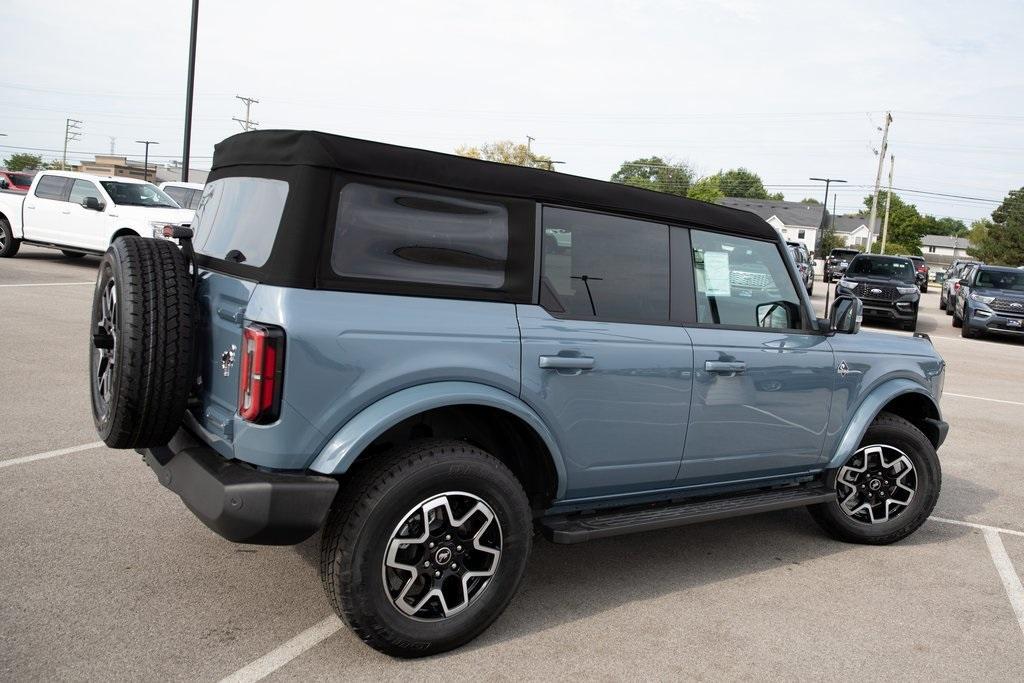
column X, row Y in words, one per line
column 788, row 89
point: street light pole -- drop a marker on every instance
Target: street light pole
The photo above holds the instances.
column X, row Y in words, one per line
column 145, row 164
column 188, row 92
column 827, row 181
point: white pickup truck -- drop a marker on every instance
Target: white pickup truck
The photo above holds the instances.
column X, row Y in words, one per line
column 80, row 213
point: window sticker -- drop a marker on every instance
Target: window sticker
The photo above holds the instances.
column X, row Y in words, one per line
column 716, row 273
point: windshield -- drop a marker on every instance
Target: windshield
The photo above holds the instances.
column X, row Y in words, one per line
column 885, row 268
column 21, row 179
column 1000, row 279
column 137, row 194
column 844, row 253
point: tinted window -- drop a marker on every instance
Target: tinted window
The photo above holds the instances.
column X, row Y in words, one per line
column 180, row 195
column 1000, row 279
column 21, row 179
column 883, row 268
column 240, row 215
column 193, row 200
column 734, row 276
column 52, row 187
column 138, row 194
column 82, row 189
column 399, row 235
column 606, row 267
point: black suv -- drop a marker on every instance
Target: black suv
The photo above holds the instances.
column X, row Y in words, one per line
column 837, row 262
column 886, row 284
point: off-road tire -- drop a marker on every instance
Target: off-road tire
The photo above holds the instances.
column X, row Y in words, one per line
column 376, row 497
column 893, row 430
column 9, row 245
column 72, row 254
column 152, row 373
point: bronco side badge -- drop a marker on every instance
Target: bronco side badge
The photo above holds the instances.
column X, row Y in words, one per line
column 227, row 359
column 843, row 369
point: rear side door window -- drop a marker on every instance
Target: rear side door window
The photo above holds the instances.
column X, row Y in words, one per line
column 742, row 282
column 52, row 187
column 604, row 267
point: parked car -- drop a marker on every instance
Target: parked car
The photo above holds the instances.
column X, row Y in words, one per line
column 80, row 213
column 887, row 285
column 951, row 283
column 990, row 299
column 921, row 267
column 187, row 195
column 804, row 264
column 382, row 343
column 837, row 262
column 18, row 181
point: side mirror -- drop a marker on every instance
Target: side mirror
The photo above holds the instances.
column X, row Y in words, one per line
column 92, row 203
column 846, row 314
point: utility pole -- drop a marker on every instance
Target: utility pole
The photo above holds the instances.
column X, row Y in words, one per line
column 190, row 84
column 529, row 143
column 878, row 178
column 145, row 164
column 248, row 124
column 72, row 131
column 888, row 198
column 113, row 143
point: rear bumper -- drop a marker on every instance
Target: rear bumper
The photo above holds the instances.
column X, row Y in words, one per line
column 239, row 502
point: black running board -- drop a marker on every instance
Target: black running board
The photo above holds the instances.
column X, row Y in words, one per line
column 580, row 528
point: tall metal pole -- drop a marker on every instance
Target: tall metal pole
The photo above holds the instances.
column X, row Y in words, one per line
column 878, row 178
column 71, row 132
column 145, row 164
column 827, row 182
column 888, row 198
column 188, row 92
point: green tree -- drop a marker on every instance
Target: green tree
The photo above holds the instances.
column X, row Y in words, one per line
column 23, row 162
column 506, row 152
column 656, row 173
column 706, row 189
column 741, row 182
column 809, row 200
column 905, row 223
column 828, row 240
column 1001, row 240
column 942, row 226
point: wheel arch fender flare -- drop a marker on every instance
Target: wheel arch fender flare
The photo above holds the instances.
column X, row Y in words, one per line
column 125, row 231
column 868, row 410
column 348, row 442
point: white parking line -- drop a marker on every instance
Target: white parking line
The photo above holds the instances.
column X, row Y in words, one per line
column 50, row 284
column 974, row 525
column 279, row 656
column 982, row 398
column 49, row 454
column 1011, row 582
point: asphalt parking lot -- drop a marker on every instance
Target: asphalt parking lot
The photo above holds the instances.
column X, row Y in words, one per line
column 104, row 574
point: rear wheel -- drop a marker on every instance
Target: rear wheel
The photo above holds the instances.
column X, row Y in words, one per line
column 957, row 321
column 9, row 246
column 426, row 547
column 72, row 254
column 886, row 489
column 140, row 351
column 942, row 303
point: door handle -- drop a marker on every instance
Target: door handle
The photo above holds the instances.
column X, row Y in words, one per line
column 566, row 362
column 724, row 366
column 66, row 212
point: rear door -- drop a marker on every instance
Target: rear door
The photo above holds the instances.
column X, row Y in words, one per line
column 762, row 385
column 46, row 209
column 603, row 363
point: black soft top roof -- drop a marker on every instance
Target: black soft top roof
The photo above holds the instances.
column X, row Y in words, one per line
column 312, row 148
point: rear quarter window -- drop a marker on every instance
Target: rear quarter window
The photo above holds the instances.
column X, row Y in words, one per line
column 399, row 235
column 239, row 217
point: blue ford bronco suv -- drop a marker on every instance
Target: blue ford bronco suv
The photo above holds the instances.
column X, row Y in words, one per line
column 429, row 359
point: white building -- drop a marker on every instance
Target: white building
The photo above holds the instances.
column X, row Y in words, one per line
column 853, row 230
column 940, row 249
column 796, row 221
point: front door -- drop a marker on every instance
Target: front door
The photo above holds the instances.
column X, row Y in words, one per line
column 601, row 362
column 87, row 228
column 762, row 382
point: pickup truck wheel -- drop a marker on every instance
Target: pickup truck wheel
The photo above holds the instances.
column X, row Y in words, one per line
column 72, row 254
column 426, row 546
column 886, row 489
column 140, row 350
column 9, row 246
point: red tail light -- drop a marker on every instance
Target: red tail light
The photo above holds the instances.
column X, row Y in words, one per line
column 956, row 286
column 259, row 387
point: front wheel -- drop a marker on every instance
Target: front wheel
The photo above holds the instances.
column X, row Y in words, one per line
column 886, row 489
column 426, row 547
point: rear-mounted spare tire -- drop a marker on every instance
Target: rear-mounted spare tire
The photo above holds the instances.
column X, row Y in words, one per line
column 140, row 346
